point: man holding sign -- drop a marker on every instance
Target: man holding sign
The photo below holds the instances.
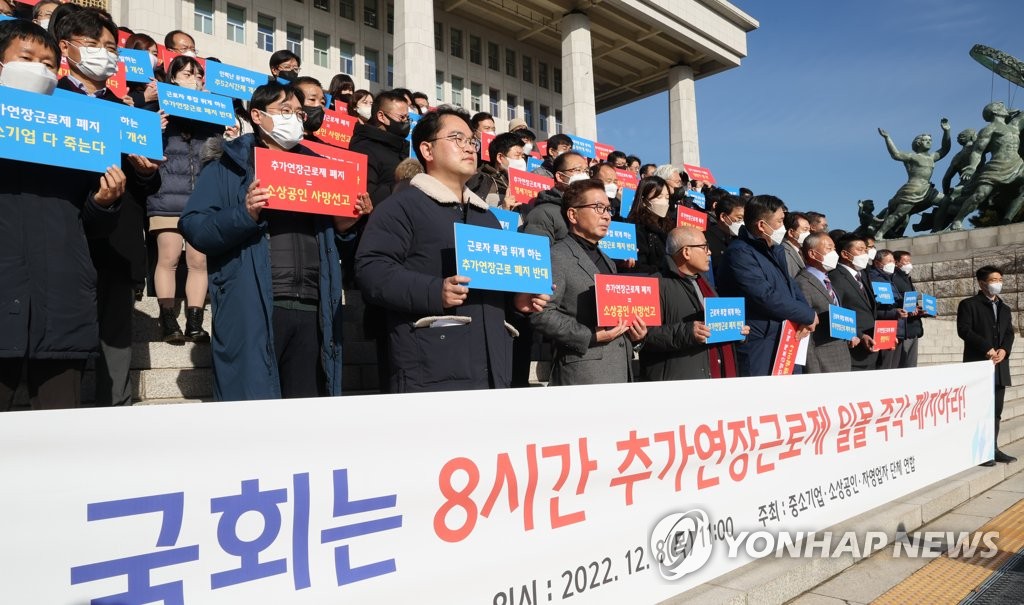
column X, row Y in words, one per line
column 584, row 352
column 678, row 349
column 825, row 353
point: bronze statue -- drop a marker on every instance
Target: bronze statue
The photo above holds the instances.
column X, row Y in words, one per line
column 918, row 193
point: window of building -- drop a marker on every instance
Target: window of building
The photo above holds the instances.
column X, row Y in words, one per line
column 476, row 53
column 439, row 86
column 391, row 71
column 236, row 24
column 371, row 59
column 558, row 80
column 293, row 39
column 457, row 85
column 370, row 13
column 495, row 98
column 513, row 106
column 347, row 9
column 476, row 91
column 204, row 16
column 322, row 4
column 545, row 111
column 438, row 36
column 542, row 74
column 391, row 18
column 493, row 58
column 265, row 27
column 558, row 121
column 528, row 113
column 510, row 62
column 527, row 69
column 455, row 37
column 348, row 57
column 321, row 49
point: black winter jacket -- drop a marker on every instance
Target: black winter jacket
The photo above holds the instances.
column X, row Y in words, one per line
column 383, row 152
column 183, row 146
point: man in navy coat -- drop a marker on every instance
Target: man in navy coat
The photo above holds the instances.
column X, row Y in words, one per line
column 754, row 267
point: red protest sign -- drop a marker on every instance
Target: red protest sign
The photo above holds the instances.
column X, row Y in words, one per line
column 337, row 128
column 167, row 55
column 696, row 173
column 627, row 179
column 885, row 335
column 122, row 37
column 485, row 145
column 601, row 151
column 688, row 217
column 330, row 151
column 785, row 354
column 621, row 297
column 305, row 183
column 541, row 147
column 525, row 185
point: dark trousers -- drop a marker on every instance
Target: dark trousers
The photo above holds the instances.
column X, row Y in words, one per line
column 53, row 384
column 908, row 353
column 115, row 301
column 1000, row 394
column 862, row 358
column 297, row 347
column 522, row 348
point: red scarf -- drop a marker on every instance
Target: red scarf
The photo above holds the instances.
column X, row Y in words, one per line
column 721, row 355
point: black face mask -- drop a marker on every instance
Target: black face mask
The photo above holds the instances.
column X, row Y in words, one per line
column 288, row 75
column 314, row 118
column 399, row 129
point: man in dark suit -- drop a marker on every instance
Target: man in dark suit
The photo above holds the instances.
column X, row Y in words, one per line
column 853, row 288
column 881, row 272
column 729, row 212
column 585, row 353
column 824, row 353
column 984, row 323
column 797, row 229
column 754, row 267
column 903, row 283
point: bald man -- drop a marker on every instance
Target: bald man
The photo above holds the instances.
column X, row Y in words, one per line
column 678, row 349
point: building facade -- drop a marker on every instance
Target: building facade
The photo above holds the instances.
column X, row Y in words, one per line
column 554, row 63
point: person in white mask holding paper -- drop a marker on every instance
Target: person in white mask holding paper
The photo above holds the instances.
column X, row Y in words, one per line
column 275, row 275
column 853, row 288
column 754, row 267
column 824, row 353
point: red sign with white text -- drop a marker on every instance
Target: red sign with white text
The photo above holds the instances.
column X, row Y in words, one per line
column 688, row 217
column 541, row 147
column 485, row 145
column 525, row 185
column 305, row 183
column 696, row 173
column 167, row 55
column 621, row 298
column 885, row 335
column 785, row 354
column 122, row 37
column 337, row 128
column 627, row 179
column 601, row 151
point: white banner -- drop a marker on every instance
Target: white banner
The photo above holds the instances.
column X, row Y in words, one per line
column 502, row 497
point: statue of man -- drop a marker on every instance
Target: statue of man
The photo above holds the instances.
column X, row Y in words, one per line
column 1004, row 168
column 948, row 206
column 918, row 193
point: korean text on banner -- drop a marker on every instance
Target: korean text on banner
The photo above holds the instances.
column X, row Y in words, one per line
column 137, row 67
column 883, row 292
column 231, row 81
column 601, row 151
column 486, row 138
column 696, row 173
column 725, row 317
column 910, row 302
column 698, row 199
column 344, row 516
column 533, row 164
column 509, row 220
column 195, row 105
column 785, row 353
column 495, row 259
column 929, row 305
column 524, row 186
column 337, row 128
column 842, row 323
column 885, row 334
column 70, row 130
column 306, row 183
column 624, row 297
column 688, row 217
column 141, row 133
column 627, row 179
column 584, row 147
column 620, row 242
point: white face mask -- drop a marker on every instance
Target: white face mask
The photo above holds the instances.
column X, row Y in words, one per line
column 287, row 130
column 518, row 164
column 97, row 64
column 860, row 262
column 45, row 24
column 889, row 268
column 611, row 190
column 578, row 177
column 527, row 148
column 193, row 85
column 363, row 111
column 830, row 260
column 153, row 60
column 907, row 268
column 29, row 76
column 659, row 207
column 871, row 253
column 189, row 53
column 734, row 228
column 995, row 288
column 778, row 235
column 800, row 238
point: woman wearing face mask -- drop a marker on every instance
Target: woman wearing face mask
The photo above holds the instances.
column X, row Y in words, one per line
column 143, row 94
column 360, row 105
column 275, row 275
column 653, row 222
column 183, row 145
column 341, row 90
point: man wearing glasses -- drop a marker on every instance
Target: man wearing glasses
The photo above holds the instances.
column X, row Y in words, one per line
column 546, row 217
column 585, row 353
column 89, row 41
column 443, row 335
column 382, row 141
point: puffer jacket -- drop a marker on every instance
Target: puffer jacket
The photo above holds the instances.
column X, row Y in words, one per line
column 183, row 146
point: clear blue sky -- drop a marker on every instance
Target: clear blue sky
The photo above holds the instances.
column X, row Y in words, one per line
column 799, row 118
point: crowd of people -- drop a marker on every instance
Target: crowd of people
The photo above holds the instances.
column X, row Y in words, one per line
column 274, row 278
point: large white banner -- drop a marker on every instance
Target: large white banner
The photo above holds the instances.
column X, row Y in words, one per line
column 503, row 497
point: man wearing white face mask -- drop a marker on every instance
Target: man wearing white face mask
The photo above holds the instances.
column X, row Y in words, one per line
column 41, row 12
column 853, row 288
column 824, row 353
column 546, row 217
column 606, row 174
column 729, row 212
column 89, row 42
column 903, row 283
column 797, row 230
column 491, row 180
column 882, row 271
column 754, row 267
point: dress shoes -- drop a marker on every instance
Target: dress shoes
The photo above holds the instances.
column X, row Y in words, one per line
column 1003, row 457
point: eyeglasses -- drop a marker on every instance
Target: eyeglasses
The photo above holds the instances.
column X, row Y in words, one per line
column 460, row 140
column 600, row 209
column 287, row 112
column 571, row 171
column 704, row 246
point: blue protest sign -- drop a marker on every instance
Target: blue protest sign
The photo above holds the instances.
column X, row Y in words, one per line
column 195, row 104
column 725, row 318
column 628, row 196
column 883, row 292
column 414, row 118
column 137, row 65
column 533, row 164
column 698, row 199
column 584, row 147
column 842, row 323
column 910, row 302
column 6, row 18
column 930, row 305
column 140, row 133
column 328, row 99
column 231, row 81
column 730, row 190
column 509, row 220
column 509, row 261
column 67, row 130
column 620, row 243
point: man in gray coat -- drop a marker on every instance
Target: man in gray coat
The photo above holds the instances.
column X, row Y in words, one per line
column 824, row 353
column 585, row 353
